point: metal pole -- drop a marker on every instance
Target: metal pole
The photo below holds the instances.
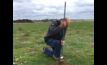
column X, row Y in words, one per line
column 64, row 31
column 65, row 10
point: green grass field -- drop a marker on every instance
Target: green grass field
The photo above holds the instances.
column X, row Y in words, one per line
column 28, row 43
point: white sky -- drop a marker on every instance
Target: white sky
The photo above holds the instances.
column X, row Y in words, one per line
column 41, row 9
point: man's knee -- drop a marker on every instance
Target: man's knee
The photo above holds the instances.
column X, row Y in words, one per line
column 50, row 47
column 48, row 52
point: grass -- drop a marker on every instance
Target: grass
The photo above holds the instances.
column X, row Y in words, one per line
column 28, row 43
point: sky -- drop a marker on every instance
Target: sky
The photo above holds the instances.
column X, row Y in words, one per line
column 53, row 9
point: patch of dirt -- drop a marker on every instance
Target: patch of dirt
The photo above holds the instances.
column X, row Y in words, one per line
column 61, row 63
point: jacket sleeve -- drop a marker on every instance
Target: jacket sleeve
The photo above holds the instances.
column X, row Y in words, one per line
column 63, row 33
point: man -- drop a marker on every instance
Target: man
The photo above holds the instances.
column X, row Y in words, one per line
column 55, row 38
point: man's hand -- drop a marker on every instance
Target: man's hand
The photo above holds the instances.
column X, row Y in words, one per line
column 62, row 42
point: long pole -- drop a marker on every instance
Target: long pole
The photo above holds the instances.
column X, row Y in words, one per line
column 65, row 10
column 64, row 31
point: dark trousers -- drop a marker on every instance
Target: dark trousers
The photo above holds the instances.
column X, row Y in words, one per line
column 56, row 46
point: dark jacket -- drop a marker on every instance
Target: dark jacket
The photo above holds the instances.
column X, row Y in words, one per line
column 55, row 32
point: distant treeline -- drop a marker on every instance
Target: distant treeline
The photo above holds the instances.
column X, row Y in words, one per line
column 23, row 21
column 47, row 20
column 30, row 21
